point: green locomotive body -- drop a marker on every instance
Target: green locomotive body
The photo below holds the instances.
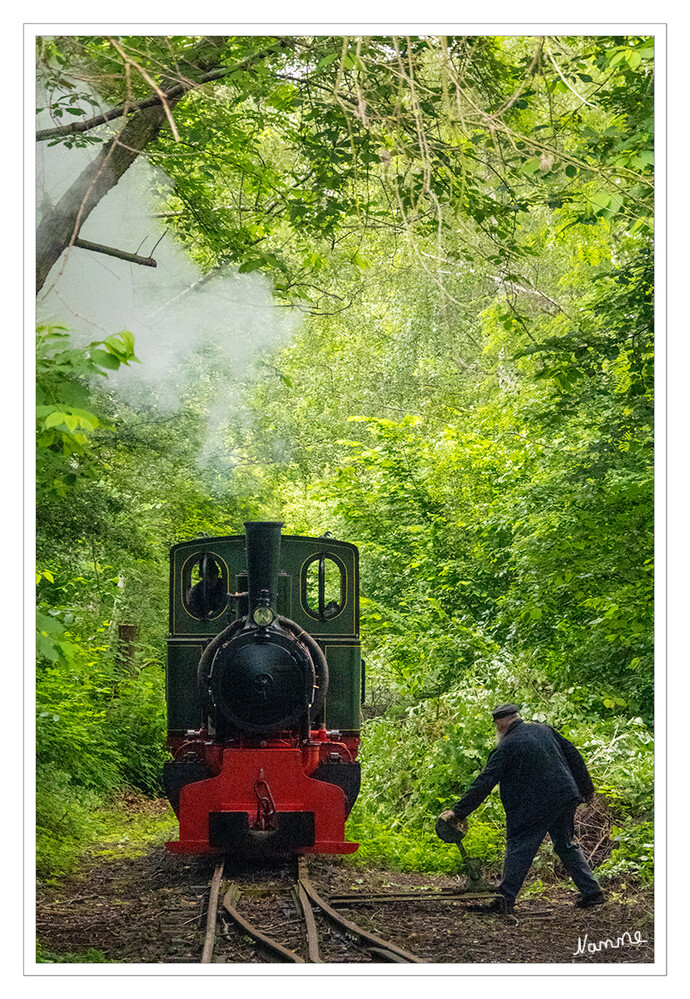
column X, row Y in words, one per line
column 336, row 631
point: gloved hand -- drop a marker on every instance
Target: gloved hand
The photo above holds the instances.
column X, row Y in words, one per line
column 452, row 819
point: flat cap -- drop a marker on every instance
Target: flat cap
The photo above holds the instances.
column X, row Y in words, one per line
column 503, row 710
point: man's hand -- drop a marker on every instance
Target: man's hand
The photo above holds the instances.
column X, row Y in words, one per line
column 453, row 820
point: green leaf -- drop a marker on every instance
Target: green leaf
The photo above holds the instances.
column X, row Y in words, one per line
column 326, row 61
column 644, row 158
column 619, row 56
column 54, row 419
column 105, row 359
column 250, row 265
column 530, row 166
column 128, row 339
column 48, row 623
column 600, row 200
column 615, row 204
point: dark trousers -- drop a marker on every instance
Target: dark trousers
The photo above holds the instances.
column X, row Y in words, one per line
column 522, row 847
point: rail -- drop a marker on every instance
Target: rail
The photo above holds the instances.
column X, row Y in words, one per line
column 381, row 948
column 212, row 914
column 307, row 899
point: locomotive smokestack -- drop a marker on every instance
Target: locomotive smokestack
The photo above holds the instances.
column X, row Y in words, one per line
column 263, row 562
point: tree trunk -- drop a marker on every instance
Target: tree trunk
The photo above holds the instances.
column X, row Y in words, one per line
column 60, row 227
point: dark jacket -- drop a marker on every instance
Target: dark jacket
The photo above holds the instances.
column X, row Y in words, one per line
column 539, row 772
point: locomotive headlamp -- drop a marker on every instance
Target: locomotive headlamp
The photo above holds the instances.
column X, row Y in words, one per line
column 263, row 616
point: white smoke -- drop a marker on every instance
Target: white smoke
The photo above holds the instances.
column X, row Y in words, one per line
column 173, row 311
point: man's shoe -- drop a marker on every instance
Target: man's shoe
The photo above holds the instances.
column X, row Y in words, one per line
column 499, row 904
column 587, row 901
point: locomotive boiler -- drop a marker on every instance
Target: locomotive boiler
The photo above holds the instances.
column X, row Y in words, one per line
column 264, row 685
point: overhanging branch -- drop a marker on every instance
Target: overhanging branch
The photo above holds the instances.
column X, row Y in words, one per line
column 61, row 225
column 133, row 258
column 75, row 127
column 171, row 94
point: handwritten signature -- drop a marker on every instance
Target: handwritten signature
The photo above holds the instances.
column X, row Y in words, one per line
column 626, row 939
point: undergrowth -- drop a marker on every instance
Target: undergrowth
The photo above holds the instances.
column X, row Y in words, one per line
column 419, row 760
column 123, row 823
column 89, row 956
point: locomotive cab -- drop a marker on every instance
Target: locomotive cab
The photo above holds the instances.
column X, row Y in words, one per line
column 263, row 690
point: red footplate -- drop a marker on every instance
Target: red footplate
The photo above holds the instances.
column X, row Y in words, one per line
column 203, row 805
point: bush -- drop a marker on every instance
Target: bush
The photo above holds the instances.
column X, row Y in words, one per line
column 65, row 821
column 135, row 726
column 100, row 727
column 89, row 956
column 418, row 760
column 634, row 854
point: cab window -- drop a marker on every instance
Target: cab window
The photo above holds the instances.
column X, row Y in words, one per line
column 204, row 586
column 323, row 587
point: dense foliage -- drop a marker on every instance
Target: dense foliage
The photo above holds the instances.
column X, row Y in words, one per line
column 465, row 225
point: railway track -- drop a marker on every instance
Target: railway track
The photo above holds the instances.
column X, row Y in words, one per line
column 304, row 916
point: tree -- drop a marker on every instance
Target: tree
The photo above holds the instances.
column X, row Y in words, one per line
column 299, row 149
column 61, row 225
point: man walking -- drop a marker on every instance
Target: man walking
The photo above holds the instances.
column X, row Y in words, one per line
column 542, row 780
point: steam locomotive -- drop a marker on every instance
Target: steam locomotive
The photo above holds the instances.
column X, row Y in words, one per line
column 264, row 685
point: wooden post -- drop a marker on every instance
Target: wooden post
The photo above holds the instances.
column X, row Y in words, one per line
column 127, row 637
